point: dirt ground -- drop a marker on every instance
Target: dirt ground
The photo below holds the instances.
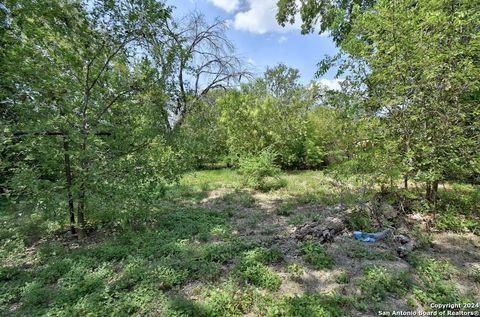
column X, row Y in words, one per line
column 256, row 218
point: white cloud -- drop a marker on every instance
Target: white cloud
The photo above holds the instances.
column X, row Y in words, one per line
column 228, row 23
column 251, row 61
column 227, row 5
column 333, row 84
column 260, row 18
column 282, row 39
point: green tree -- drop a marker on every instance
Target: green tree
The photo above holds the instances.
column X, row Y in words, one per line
column 87, row 86
column 323, row 16
column 201, row 137
column 268, row 112
column 422, row 82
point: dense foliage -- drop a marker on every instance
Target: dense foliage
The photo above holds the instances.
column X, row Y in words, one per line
column 109, row 109
column 259, row 171
column 300, row 123
column 414, row 66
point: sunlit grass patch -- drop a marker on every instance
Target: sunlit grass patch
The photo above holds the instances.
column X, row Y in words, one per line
column 252, row 268
column 378, row 282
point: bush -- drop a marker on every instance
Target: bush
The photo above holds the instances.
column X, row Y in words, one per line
column 359, row 219
column 260, row 171
column 313, row 253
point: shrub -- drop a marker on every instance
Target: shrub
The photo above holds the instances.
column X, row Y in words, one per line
column 314, row 254
column 359, row 219
column 260, row 171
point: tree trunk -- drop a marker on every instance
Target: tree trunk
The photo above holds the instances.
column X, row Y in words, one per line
column 82, row 189
column 431, row 191
column 434, row 190
column 68, row 183
column 83, row 159
column 405, row 181
column 81, row 214
column 428, row 190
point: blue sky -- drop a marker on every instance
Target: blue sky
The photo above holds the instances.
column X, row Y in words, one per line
column 260, row 40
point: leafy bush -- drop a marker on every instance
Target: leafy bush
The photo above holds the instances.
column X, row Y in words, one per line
column 359, row 219
column 260, row 171
column 323, row 136
column 313, row 253
column 254, row 118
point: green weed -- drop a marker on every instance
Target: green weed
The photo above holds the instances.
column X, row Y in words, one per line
column 296, row 270
column 252, row 268
column 342, row 278
column 285, row 209
column 436, row 286
column 360, row 250
column 310, row 305
column 378, row 282
column 314, row 254
column 451, row 219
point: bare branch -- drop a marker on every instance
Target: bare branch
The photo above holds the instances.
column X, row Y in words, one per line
column 206, row 60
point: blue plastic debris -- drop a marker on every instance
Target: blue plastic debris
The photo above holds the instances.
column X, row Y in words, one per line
column 370, row 237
